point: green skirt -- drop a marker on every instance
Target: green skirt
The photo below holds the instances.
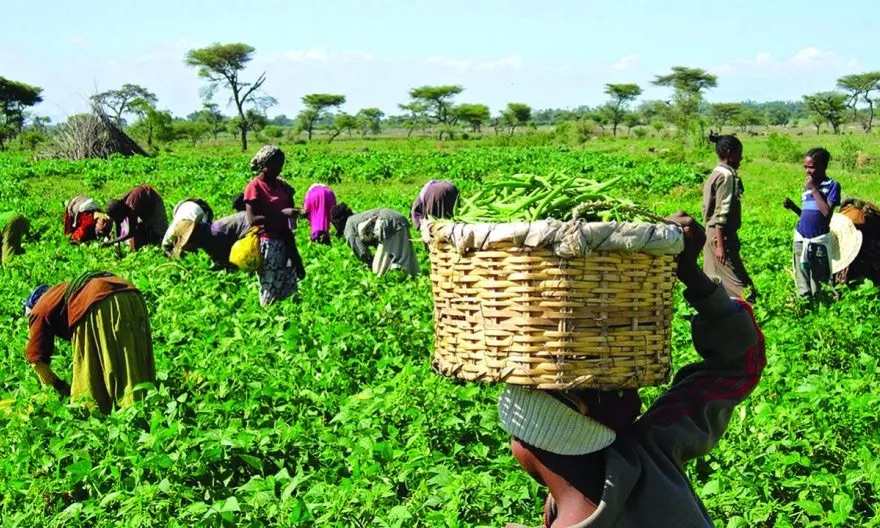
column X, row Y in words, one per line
column 112, row 352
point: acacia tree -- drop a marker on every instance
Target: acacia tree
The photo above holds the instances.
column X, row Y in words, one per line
column 516, row 114
column 621, row 96
column 341, row 122
column 221, row 65
column 859, row 86
column 417, row 117
column 437, row 102
column 14, row 98
column 830, row 106
column 722, row 113
column 118, row 102
column 473, row 114
column 369, row 119
column 316, row 106
column 688, row 85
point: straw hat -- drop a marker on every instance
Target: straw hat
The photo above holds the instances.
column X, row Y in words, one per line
column 181, row 236
column 846, row 241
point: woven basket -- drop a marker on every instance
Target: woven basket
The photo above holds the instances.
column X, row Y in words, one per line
column 524, row 315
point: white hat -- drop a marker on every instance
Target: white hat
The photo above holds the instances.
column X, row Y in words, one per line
column 846, row 241
column 541, row 420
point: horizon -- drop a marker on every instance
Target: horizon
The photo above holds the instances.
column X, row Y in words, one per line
column 373, row 52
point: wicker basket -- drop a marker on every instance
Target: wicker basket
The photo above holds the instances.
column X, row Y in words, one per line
column 508, row 312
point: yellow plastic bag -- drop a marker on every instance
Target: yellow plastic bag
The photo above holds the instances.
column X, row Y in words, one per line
column 245, row 253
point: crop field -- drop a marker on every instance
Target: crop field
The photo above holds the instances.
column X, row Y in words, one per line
column 326, row 412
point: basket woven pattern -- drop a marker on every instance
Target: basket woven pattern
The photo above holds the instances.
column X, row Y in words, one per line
column 529, row 317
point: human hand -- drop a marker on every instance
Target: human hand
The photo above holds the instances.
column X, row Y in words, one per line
column 788, row 203
column 719, row 252
column 291, row 212
column 689, row 272
column 809, row 183
column 62, row 387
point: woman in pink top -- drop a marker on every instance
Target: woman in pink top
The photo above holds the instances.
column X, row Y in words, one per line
column 318, row 203
column 269, row 205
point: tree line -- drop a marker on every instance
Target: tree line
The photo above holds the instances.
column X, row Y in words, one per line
column 433, row 107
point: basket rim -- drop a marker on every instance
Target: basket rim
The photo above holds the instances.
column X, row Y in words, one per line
column 572, row 238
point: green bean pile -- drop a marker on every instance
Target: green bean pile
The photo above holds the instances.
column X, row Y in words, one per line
column 531, row 197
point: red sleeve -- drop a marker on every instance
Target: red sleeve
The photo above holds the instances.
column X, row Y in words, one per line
column 251, row 192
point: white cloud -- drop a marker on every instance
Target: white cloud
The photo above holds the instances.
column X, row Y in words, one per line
column 625, row 63
column 806, row 59
column 322, row 55
column 512, row 62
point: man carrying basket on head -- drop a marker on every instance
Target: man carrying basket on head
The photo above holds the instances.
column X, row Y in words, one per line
column 605, row 465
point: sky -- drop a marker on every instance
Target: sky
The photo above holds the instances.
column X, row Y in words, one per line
column 550, row 54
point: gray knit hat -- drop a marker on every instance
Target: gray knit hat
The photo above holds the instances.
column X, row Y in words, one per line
column 540, row 420
column 264, row 155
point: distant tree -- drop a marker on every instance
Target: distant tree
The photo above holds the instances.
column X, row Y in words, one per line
column 746, row 118
column 417, row 117
column 194, row 131
column 369, row 120
column 621, row 96
column 654, row 111
column 631, row 120
column 516, row 114
column 342, row 122
column 153, row 124
column 317, row 105
column 281, row 120
column 831, row 106
column 14, row 98
column 221, row 65
column 474, row 115
column 859, row 87
column 215, row 121
column 723, row 113
column 437, row 102
column 116, row 103
column 688, row 85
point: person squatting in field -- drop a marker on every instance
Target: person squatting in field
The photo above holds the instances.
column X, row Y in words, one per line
column 269, row 205
column 603, row 464
column 84, row 221
column 216, row 239
column 193, row 209
column 105, row 319
column 436, row 200
column 318, row 203
column 386, row 229
column 722, row 214
column 139, row 217
column 812, row 236
column 866, row 218
column 13, row 228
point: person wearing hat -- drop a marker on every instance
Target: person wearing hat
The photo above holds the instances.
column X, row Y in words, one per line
column 269, row 206
column 436, row 200
column 139, row 217
column 84, row 221
column 13, row 228
column 215, row 239
column 193, row 209
column 603, row 464
column 856, row 231
column 385, row 229
column 812, row 236
column 105, row 319
column 317, row 206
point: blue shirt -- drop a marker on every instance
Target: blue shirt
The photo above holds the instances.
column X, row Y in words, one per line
column 812, row 223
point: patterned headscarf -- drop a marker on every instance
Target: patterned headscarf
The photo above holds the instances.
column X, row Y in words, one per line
column 263, row 156
column 35, row 295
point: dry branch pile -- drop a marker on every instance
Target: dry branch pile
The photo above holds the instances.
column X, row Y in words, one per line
column 92, row 135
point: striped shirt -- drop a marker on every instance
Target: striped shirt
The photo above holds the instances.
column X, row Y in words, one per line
column 812, row 222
